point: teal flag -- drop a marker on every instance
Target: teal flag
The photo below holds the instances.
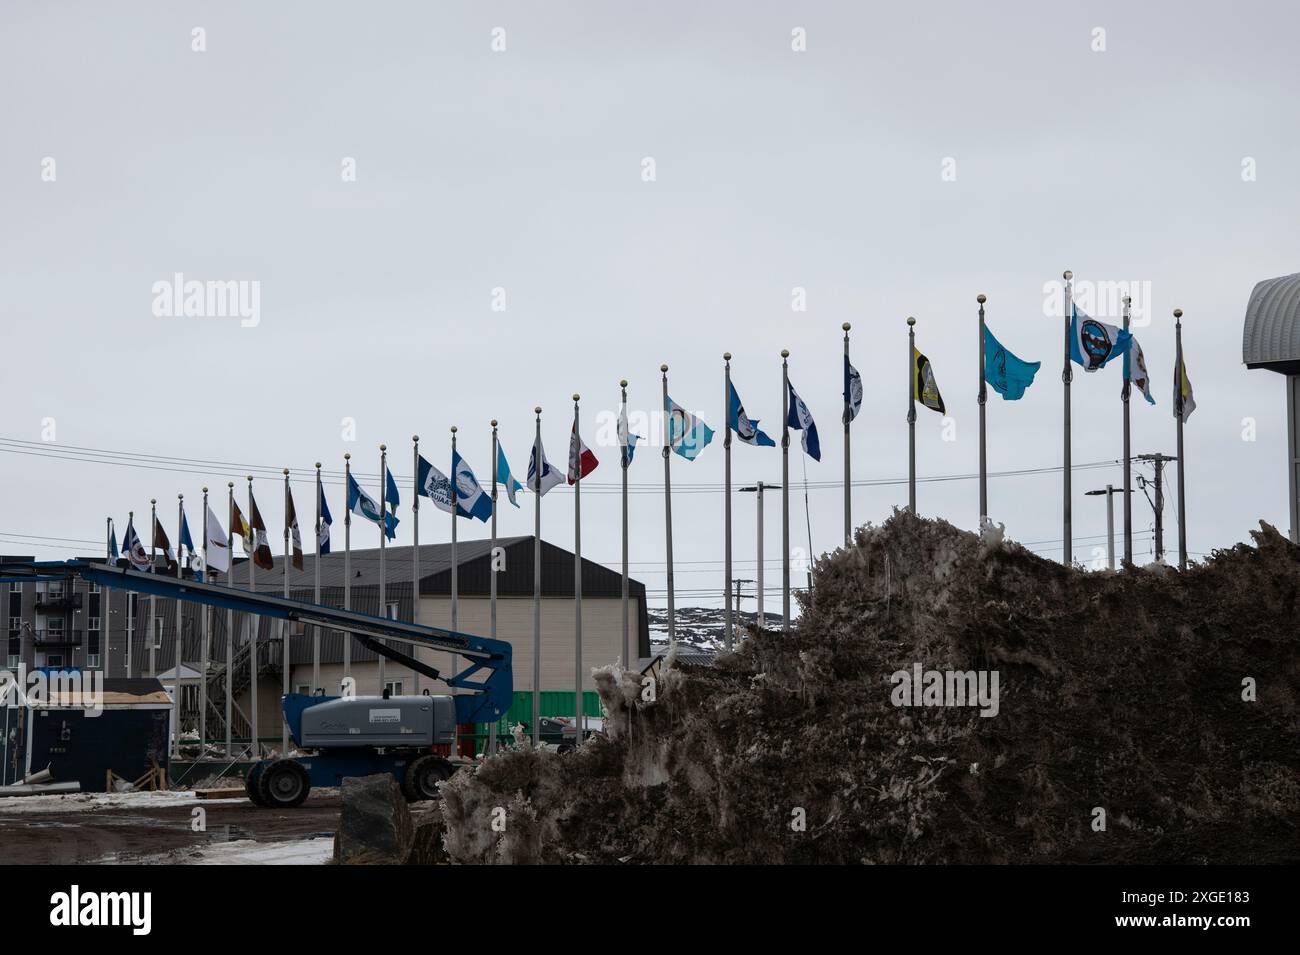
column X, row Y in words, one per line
column 1008, row 375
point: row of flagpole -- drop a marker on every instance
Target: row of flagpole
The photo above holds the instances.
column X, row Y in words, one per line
column 1086, row 342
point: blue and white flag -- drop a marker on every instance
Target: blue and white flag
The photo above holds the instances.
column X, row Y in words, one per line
column 390, row 489
column 323, row 534
column 550, row 475
column 626, row 439
column 469, row 493
column 687, row 434
column 505, row 478
column 436, row 486
column 1008, row 375
column 801, row 419
column 746, row 430
column 186, row 541
column 134, row 550
column 1135, row 370
column 1093, row 343
column 363, row 505
column 112, row 542
column 852, row 391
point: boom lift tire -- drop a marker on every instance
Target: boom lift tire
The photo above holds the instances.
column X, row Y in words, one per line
column 422, row 777
column 250, row 785
column 283, row 784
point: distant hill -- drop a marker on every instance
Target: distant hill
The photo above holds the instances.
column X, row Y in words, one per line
column 703, row 627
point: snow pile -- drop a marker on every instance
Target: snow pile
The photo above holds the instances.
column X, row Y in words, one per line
column 1162, row 705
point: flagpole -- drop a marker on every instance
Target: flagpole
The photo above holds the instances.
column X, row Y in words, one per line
column 131, row 604
column 1067, row 374
column 785, row 490
column 537, row 578
column 315, row 631
column 347, row 560
column 204, row 650
column 627, row 649
column 983, row 402
column 1182, row 461
column 230, row 615
column 726, row 509
column 911, row 414
column 286, row 637
column 492, row 577
column 106, row 621
column 668, row 511
column 455, row 573
column 383, row 521
column 848, row 502
column 153, row 569
column 176, row 699
column 577, row 577
column 1128, row 454
column 415, row 549
column 255, row 624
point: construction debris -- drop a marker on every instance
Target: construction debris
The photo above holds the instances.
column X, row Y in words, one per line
column 1140, row 716
column 376, row 827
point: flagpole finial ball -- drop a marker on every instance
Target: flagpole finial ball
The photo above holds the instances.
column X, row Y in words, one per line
column 622, row 382
column 415, row 437
column 453, row 429
column 846, row 326
column 1067, row 275
column 785, row 353
column 205, row 489
column 180, row 497
column 230, row 484
column 576, row 396
column 663, row 368
column 153, row 500
column 981, row 298
column 910, row 321
column 347, row 455
column 383, row 447
column 537, row 410
column 249, row 477
column 1128, row 300
column 494, row 422
column 1178, row 313
column 286, row 472
column 317, row 465
column 726, row 356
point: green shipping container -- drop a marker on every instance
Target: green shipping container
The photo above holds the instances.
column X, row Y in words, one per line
column 552, row 703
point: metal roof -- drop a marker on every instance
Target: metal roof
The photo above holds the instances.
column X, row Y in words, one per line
column 1271, row 337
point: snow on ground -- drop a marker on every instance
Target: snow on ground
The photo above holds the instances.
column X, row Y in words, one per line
column 72, row 802
column 315, row 851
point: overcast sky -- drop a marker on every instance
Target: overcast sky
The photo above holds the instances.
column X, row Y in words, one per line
column 828, row 169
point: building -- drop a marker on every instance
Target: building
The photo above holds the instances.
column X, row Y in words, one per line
column 52, row 623
column 1271, row 340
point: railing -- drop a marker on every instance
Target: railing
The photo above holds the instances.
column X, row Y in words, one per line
column 58, row 602
column 59, row 638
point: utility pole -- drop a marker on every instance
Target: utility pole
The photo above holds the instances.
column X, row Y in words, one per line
column 757, row 490
column 1159, row 461
column 1110, row 491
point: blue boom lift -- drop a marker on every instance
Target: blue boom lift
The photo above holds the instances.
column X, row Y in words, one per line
column 345, row 735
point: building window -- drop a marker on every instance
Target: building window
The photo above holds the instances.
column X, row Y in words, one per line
column 13, row 661
column 54, row 625
column 92, row 660
column 157, row 632
column 94, row 587
column 92, row 623
column 304, row 689
column 54, row 588
column 15, row 623
column 297, row 628
column 92, row 642
column 393, row 687
column 16, row 586
column 54, row 660
column 392, row 610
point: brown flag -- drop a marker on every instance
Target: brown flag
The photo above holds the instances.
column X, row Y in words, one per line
column 160, row 540
column 291, row 523
column 261, row 546
column 239, row 527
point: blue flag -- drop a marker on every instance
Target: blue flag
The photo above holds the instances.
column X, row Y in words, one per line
column 323, row 535
column 852, row 391
column 112, row 542
column 746, row 429
column 186, row 541
column 801, row 419
column 470, row 498
column 687, row 434
column 1093, row 343
column 1008, row 375
column 626, row 439
column 363, row 505
column 390, row 489
column 504, row 477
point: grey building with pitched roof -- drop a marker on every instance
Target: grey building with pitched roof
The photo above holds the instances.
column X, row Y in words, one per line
column 1271, row 340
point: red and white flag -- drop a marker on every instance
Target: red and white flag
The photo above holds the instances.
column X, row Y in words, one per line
column 579, row 453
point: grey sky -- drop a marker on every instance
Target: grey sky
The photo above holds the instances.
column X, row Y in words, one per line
column 523, row 170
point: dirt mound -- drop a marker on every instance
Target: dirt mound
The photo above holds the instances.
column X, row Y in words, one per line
column 1162, row 705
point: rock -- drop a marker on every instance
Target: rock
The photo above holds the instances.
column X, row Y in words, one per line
column 374, row 824
column 428, row 828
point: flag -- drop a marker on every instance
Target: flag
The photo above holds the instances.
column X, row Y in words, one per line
column 261, row 543
column 133, row 547
column 549, row 475
column 1008, row 375
column 323, row 534
column 390, row 489
column 626, row 439
column 852, row 391
column 470, row 498
column 239, row 527
column 924, row 388
column 1184, row 403
column 160, row 539
column 1135, row 366
column 362, row 504
column 1093, row 343
column 801, row 418
column 747, row 430
column 687, row 434
column 112, row 542
column 505, row 477
column 581, row 459
column 291, row 522
column 187, row 542
column 216, row 544
column 436, row 486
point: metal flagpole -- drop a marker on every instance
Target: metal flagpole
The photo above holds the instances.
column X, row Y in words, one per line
column 1110, row 524
column 623, row 439
column 1067, row 374
column 204, row 649
column 668, row 511
column 762, row 620
column 286, row 637
column 492, row 577
column 153, row 569
column 912, row 373
column 230, row 617
column 537, row 578
column 785, row 490
column 1182, row 461
column 254, row 624
column 347, row 560
column 383, row 522
column 1128, row 454
column 415, row 549
column 131, row 604
column 176, row 697
column 577, row 578
column 726, row 509
column 848, row 502
column 455, row 568
column 983, row 402
column 106, row 620
column 315, row 631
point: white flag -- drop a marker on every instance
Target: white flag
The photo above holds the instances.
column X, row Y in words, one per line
column 551, row 475
column 216, row 545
